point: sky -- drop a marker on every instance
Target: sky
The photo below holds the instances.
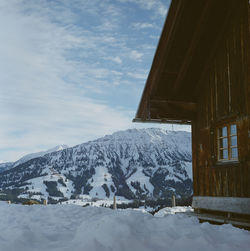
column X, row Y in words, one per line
column 73, row 70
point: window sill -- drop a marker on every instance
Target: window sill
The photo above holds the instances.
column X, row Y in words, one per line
column 227, row 163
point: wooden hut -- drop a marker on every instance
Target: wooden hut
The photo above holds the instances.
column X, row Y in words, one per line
column 200, row 76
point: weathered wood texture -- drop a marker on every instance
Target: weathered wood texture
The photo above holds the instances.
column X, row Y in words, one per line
column 200, row 74
column 224, row 96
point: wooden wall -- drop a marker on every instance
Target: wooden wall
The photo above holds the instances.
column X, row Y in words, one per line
column 225, row 97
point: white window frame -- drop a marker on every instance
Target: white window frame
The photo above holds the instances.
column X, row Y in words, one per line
column 228, row 148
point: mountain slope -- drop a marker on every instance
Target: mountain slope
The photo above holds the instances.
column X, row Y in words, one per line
column 9, row 165
column 39, row 154
column 133, row 164
column 5, row 166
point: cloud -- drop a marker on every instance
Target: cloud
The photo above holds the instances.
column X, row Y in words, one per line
column 135, row 55
column 115, row 59
column 156, row 6
column 137, row 75
column 61, row 64
column 142, row 25
column 44, row 98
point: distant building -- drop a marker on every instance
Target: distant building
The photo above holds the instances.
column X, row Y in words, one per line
column 200, row 76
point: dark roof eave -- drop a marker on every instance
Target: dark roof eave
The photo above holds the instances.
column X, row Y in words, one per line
column 167, row 29
column 210, row 26
column 162, row 121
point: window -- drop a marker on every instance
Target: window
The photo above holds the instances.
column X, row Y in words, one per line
column 227, row 143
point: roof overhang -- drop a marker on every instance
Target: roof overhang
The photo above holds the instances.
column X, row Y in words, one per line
column 189, row 37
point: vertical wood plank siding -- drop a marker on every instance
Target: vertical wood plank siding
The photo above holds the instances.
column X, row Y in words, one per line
column 225, row 98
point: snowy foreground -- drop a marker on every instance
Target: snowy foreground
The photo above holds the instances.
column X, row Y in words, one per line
column 71, row 227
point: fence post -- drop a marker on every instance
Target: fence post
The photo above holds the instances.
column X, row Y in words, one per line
column 173, row 201
column 114, row 203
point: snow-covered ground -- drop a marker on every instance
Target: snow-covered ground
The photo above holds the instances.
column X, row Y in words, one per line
column 72, row 227
column 173, row 210
column 88, row 200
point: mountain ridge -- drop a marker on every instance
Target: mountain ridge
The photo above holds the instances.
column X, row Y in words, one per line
column 136, row 163
column 8, row 165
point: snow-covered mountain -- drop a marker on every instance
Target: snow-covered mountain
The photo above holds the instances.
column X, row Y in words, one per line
column 133, row 164
column 5, row 166
column 8, row 165
column 39, row 154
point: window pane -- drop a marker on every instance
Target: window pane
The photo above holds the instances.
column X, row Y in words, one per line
column 224, row 154
column 234, row 153
column 233, row 141
column 223, row 143
column 223, row 131
column 233, row 129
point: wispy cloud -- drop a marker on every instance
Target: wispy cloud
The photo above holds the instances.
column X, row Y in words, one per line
column 44, row 92
column 61, row 63
column 142, row 25
column 137, row 75
column 115, row 59
column 135, row 55
column 157, row 7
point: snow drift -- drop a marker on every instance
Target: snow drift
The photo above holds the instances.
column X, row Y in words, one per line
column 74, row 228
